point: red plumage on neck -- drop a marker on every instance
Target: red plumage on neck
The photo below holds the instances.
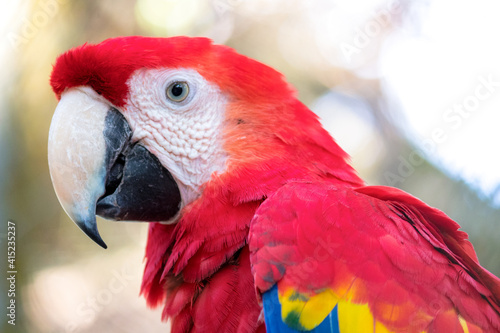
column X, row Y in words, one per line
column 209, row 243
column 210, row 238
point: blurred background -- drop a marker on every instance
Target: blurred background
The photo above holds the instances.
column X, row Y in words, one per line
column 410, row 89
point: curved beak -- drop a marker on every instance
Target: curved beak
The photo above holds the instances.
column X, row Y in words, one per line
column 96, row 169
column 76, row 155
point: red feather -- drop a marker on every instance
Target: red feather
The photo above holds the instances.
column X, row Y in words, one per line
column 107, row 66
column 391, row 248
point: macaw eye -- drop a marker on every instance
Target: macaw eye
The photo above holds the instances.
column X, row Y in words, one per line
column 177, row 91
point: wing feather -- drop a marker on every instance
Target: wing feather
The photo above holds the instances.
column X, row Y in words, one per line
column 380, row 251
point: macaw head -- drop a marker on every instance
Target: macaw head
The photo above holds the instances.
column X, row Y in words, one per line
column 144, row 124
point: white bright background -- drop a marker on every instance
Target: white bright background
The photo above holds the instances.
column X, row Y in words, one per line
column 436, row 71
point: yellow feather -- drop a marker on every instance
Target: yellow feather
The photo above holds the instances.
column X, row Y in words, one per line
column 358, row 318
column 305, row 312
column 463, row 323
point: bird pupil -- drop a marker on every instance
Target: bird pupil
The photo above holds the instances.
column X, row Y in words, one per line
column 177, row 90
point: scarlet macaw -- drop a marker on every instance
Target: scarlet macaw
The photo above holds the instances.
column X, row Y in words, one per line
column 263, row 222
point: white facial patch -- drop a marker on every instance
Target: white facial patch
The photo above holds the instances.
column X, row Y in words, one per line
column 186, row 136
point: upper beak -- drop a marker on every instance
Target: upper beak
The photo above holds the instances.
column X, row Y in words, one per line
column 76, row 155
column 95, row 168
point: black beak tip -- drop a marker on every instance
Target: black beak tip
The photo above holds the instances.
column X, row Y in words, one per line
column 90, row 229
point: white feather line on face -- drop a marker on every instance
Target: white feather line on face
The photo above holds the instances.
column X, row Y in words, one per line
column 187, row 136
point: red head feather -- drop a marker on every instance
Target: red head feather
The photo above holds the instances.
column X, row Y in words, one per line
column 262, row 106
column 107, row 66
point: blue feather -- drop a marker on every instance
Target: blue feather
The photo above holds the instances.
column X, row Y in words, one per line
column 274, row 323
